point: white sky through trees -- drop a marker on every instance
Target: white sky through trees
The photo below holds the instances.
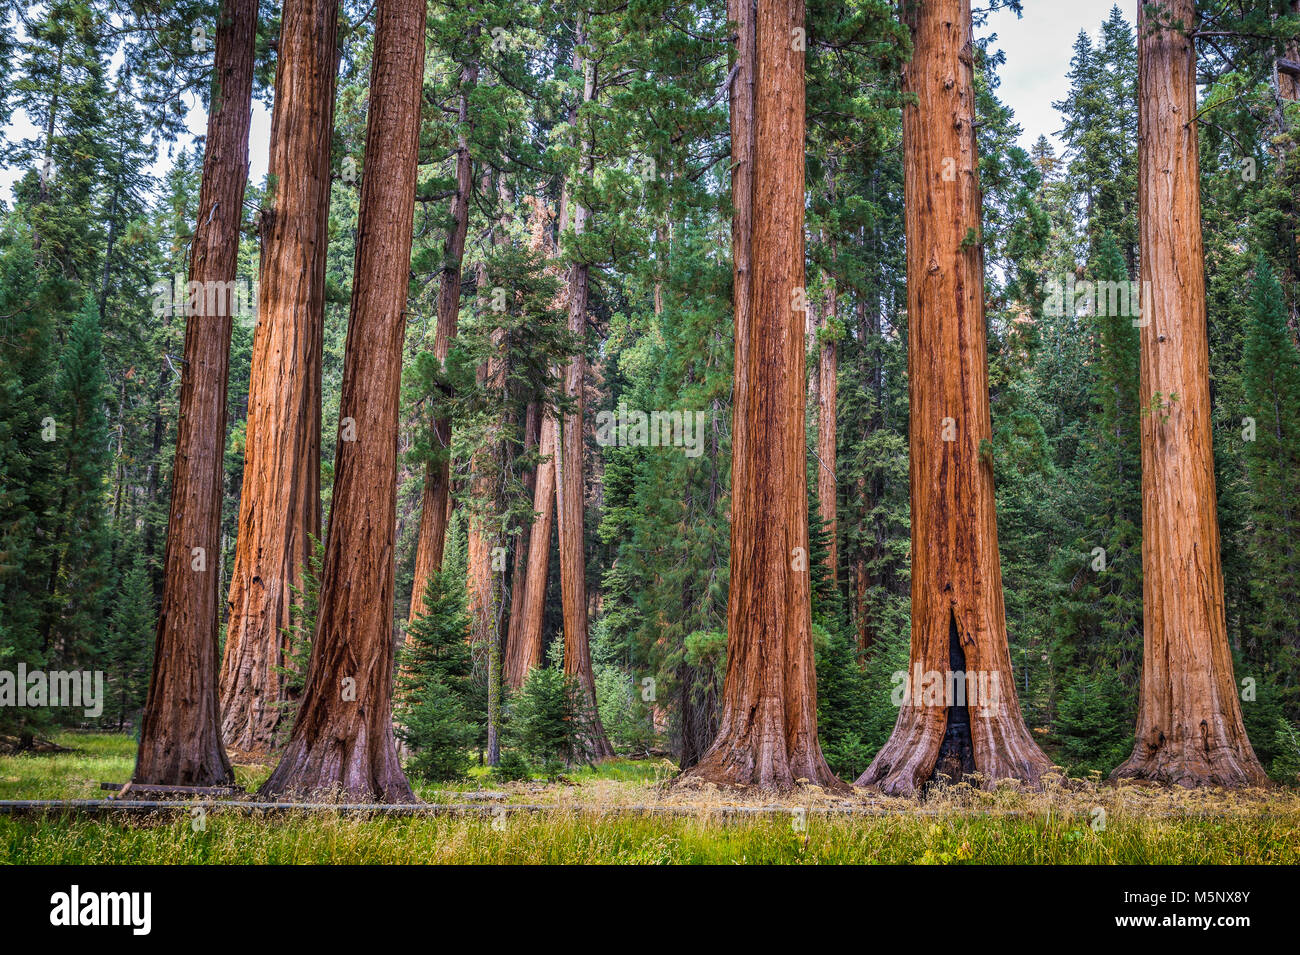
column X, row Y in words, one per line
column 1038, row 46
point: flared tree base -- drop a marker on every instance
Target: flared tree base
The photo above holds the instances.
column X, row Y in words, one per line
column 1191, row 765
column 907, row 763
column 764, row 764
column 334, row 769
column 244, row 739
column 167, row 763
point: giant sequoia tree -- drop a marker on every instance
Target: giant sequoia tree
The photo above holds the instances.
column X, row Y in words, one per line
column 343, row 737
column 180, row 742
column 768, row 729
column 570, row 486
column 524, row 644
column 1189, row 729
column 958, row 619
column 279, row 510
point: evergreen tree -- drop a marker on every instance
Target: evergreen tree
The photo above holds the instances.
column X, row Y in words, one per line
column 1100, row 130
column 61, row 85
column 438, row 709
column 79, row 576
column 547, row 720
column 128, row 643
column 1097, row 618
column 1271, row 375
column 29, row 459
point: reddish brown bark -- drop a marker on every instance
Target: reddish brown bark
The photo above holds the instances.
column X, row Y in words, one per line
column 862, row 598
column 519, row 568
column 569, row 482
column 958, row 618
column 524, row 647
column 1189, row 728
column 279, row 508
column 768, row 729
column 741, row 97
column 483, row 591
column 1288, row 68
column 482, row 532
column 828, row 396
column 180, row 738
column 343, row 738
column 486, row 544
column 486, row 550
column 437, row 474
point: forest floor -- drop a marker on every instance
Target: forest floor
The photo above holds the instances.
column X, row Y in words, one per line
column 622, row 811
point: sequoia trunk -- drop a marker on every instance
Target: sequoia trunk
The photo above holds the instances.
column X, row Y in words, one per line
column 961, row 695
column 343, row 736
column 437, row 474
column 180, row 732
column 279, row 508
column 1189, row 728
column 524, row 647
column 569, row 483
column 519, row 568
column 768, row 729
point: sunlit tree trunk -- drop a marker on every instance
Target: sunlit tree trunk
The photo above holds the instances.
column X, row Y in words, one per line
column 1189, row 728
column 569, row 480
column 279, row 508
column 342, row 739
column 524, row 647
column 958, row 618
column 180, row 731
column 767, row 733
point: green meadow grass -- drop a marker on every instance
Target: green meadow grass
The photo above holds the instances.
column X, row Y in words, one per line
column 586, row 826
column 578, row 837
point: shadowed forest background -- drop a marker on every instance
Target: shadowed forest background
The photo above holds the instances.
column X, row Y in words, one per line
column 620, row 111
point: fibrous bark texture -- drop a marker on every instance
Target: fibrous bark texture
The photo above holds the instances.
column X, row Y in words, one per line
column 1189, row 728
column 767, row 732
column 279, row 508
column 519, row 563
column 342, row 739
column 958, row 618
column 524, row 645
column 180, row 738
column 569, row 481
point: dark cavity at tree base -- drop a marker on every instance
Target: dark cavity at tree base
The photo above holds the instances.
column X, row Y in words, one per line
column 923, row 752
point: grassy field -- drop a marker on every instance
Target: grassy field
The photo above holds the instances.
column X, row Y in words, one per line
column 622, row 812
